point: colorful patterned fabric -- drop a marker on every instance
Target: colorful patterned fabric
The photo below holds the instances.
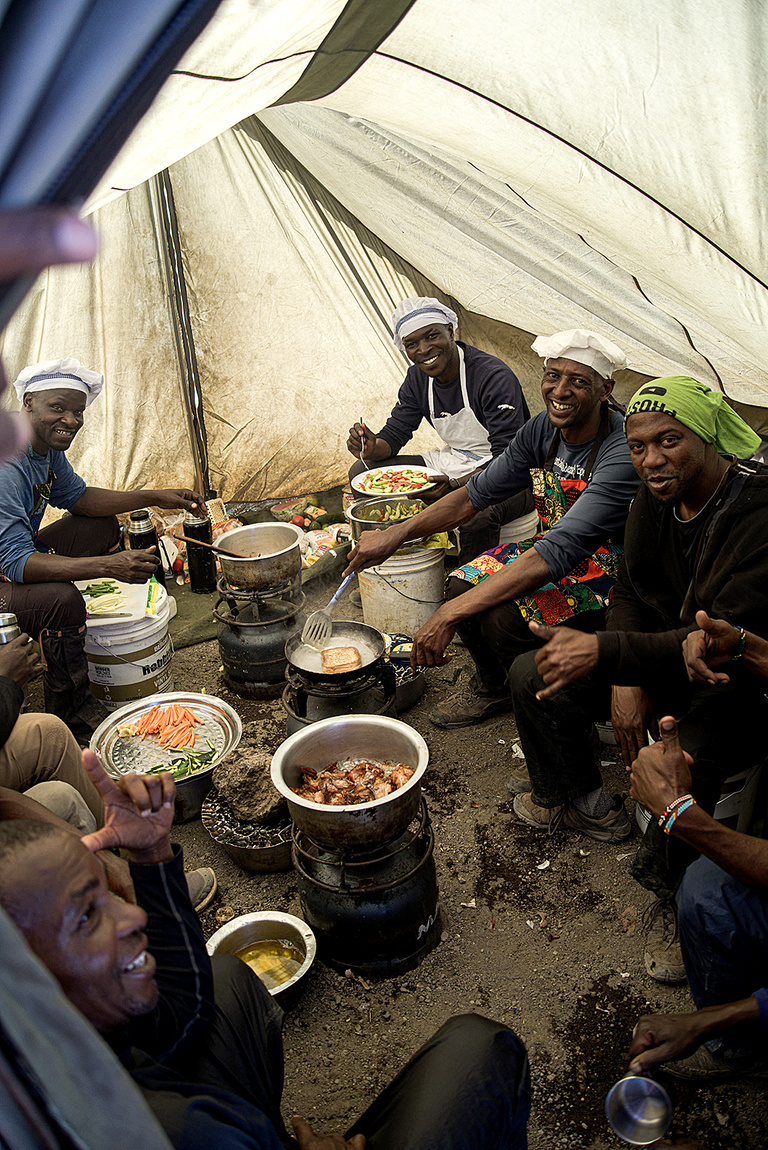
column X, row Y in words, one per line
column 586, row 588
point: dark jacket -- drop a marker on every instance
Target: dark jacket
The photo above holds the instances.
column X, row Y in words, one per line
column 647, row 621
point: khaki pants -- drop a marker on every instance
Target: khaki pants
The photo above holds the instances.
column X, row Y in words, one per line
column 41, row 749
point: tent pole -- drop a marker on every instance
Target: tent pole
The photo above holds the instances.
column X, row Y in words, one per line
column 169, row 242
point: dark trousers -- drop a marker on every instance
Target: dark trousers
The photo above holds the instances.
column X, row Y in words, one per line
column 52, row 606
column 724, row 939
column 497, row 637
column 482, row 532
column 468, row 1087
column 556, row 738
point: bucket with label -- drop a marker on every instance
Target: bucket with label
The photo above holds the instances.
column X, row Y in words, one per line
column 130, row 659
column 402, row 593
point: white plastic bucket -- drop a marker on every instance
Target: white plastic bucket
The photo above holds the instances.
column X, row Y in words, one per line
column 130, row 660
column 402, row 593
column 518, row 529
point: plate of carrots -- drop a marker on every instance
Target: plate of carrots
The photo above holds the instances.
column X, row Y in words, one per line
column 181, row 732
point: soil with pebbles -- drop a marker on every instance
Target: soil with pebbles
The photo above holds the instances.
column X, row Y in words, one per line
column 540, row 931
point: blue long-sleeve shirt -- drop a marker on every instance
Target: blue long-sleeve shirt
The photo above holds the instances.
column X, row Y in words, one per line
column 598, row 514
column 28, row 484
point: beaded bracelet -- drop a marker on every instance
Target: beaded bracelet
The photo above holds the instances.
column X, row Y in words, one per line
column 675, row 815
column 672, row 806
column 742, row 643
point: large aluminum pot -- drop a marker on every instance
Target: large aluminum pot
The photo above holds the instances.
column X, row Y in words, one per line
column 270, row 555
column 349, row 737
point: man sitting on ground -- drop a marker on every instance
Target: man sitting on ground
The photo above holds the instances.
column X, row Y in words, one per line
column 575, row 455
column 202, row 1039
column 39, row 566
column 722, row 901
column 695, row 539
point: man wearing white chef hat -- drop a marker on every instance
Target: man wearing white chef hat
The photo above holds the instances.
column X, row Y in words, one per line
column 472, row 399
column 575, row 455
column 38, row 567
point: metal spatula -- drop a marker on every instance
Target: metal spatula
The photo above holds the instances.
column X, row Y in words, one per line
column 317, row 629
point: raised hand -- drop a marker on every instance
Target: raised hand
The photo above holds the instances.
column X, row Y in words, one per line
column 715, row 644
column 138, row 812
column 661, row 773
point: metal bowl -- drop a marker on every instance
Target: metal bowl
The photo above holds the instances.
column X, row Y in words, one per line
column 358, row 514
column 270, row 553
column 248, row 928
column 120, row 754
column 352, row 736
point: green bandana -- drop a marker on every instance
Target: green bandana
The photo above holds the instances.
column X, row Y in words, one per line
column 699, row 408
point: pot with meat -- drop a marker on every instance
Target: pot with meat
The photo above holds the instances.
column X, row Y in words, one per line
column 353, row 781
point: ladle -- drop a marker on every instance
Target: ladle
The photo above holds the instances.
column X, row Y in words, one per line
column 212, row 547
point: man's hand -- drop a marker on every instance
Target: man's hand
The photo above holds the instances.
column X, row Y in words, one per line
column 19, row 660
column 361, row 441
column 566, row 656
column 308, row 1140
column 373, row 547
column 138, row 812
column 435, row 493
column 661, row 773
column 632, row 716
column 430, row 641
column 663, row 1037
column 132, row 566
column 174, row 498
column 715, row 644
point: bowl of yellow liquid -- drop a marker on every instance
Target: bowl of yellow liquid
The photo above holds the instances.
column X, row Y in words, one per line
column 278, row 947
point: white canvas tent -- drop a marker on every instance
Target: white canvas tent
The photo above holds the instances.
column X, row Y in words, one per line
column 541, row 164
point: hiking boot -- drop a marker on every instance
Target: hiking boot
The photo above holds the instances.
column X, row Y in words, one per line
column 201, row 885
column 542, row 818
column 519, row 782
column 663, row 957
column 472, row 704
column 613, row 827
column 704, row 1068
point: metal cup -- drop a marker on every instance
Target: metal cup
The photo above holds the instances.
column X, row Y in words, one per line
column 9, row 627
column 638, row 1109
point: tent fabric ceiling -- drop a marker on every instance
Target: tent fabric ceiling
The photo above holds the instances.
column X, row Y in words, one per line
column 544, row 166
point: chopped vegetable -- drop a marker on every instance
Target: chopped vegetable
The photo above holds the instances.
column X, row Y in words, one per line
column 174, row 724
column 187, row 765
column 386, row 481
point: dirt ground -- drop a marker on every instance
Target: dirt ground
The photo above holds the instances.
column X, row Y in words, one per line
column 539, row 932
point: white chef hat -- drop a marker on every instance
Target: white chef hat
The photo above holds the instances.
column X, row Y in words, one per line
column 412, row 314
column 59, row 373
column 583, row 347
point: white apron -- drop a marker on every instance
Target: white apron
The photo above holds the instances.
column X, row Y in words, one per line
column 467, row 442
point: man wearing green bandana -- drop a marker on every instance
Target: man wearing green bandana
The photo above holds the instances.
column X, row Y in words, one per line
column 696, row 539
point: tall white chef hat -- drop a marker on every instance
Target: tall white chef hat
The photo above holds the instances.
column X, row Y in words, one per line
column 583, row 347
column 412, row 314
column 59, row 373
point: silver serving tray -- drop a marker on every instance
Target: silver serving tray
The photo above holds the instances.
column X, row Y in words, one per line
column 120, row 754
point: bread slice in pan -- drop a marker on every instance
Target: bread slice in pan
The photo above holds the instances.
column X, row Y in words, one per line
column 339, row 659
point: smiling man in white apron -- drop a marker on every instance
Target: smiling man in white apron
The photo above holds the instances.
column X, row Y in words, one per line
column 473, row 401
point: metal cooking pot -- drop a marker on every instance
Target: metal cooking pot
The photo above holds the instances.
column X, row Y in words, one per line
column 270, row 553
column 309, row 661
column 350, row 737
column 362, row 514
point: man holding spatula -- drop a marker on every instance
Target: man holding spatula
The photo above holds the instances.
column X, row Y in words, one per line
column 40, row 566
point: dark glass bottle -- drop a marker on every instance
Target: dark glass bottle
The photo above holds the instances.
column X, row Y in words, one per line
column 142, row 535
column 200, row 561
